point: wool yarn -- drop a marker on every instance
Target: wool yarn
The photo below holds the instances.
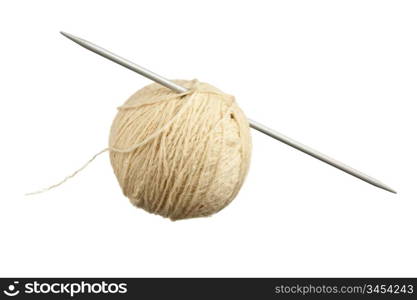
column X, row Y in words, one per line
column 180, row 155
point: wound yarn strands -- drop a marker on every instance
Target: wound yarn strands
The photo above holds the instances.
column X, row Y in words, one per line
column 180, row 155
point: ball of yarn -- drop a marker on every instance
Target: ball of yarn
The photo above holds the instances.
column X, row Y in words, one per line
column 180, row 155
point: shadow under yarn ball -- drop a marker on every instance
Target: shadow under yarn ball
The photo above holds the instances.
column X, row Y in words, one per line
column 180, row 155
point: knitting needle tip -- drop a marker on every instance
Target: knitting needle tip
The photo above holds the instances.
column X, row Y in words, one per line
column 70, row 36
column 387, row 188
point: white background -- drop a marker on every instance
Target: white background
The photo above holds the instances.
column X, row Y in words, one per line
column 339, row 76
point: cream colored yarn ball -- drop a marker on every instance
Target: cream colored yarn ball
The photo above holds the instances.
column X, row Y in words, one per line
column 180, row 155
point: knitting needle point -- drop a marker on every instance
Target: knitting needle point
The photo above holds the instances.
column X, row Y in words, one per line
column 320, row 156
column 255, row 125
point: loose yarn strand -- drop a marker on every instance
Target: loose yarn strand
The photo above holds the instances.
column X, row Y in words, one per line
column 69, row 176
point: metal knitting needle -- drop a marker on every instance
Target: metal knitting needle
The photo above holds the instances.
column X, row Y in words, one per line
column 255, row 125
